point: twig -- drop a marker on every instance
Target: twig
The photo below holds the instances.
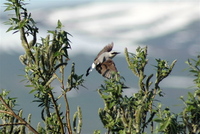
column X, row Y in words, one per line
column 8, row 124
column 68, row 115
column 57, row 112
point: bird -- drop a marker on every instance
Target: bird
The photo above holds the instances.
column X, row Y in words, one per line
column 103, row 62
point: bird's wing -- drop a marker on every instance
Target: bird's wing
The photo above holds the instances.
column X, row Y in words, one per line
column 107, row 48
column 106, row 68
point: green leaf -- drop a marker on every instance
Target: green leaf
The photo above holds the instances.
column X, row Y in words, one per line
column 106, row 96
column 52, row 32
column 32, row 91
column 97, row 132
column 158, row 120
column 15, row 19
column 10, row 28
column 165, row 124
column 9, row 7
column 29, row 85
column 110, row 105
column 59, row 25
column 58, row 54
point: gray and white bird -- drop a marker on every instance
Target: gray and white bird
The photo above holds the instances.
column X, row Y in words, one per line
column 103, row 63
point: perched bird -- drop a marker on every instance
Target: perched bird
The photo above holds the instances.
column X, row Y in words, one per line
column 103, row 63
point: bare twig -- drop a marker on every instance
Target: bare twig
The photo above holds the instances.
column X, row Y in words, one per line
column 57, row 113
column 8, row 124
column 67, row 114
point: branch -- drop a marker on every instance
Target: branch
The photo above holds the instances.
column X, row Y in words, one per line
column 11, row 112
column 57, row 113
column 2, row 111
column 68, row 115
column 2, row 125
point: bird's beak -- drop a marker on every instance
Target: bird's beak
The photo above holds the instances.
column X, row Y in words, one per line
column 116, row 52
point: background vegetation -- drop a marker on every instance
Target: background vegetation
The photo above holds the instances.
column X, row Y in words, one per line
column 46, row 61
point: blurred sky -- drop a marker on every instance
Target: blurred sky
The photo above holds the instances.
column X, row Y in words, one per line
column 170, row 29
column 124, row 23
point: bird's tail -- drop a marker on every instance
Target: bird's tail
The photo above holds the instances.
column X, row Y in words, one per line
column 88, row 71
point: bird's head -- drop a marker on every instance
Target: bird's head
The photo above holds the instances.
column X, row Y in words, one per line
column 112, row 54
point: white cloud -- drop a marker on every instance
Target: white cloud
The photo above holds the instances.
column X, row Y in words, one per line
column 94, row 25
column 177, row 82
